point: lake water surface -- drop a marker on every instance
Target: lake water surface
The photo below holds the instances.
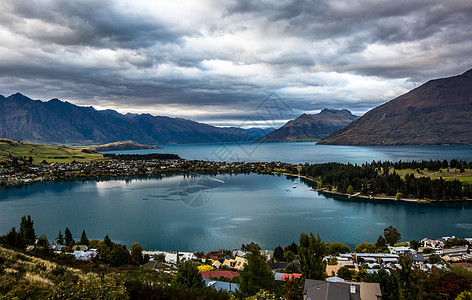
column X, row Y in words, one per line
column 202, row 213
column 310, row 152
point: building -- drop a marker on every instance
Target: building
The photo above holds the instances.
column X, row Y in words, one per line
column 221, row 285
column 400, row 250
column 325, row 290
column 235, row 263
column 218, row 274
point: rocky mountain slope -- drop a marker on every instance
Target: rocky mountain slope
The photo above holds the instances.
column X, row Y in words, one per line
column 308, row 127
column 438, row 112
column 59, row 122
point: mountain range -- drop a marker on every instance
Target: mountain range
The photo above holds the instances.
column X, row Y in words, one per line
column 438, row 112
column 311, row 127
column 60, row 122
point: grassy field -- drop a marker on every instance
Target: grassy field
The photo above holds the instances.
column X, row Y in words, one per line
column 44, row 152
column 465, row 176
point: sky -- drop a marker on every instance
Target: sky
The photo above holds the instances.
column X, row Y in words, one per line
column 220, row 62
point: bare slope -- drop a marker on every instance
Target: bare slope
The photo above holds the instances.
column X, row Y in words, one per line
column 438, row 112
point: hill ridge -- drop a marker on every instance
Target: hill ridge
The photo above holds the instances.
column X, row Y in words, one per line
column 61, row 122
column 439, row 112
column 311, row 127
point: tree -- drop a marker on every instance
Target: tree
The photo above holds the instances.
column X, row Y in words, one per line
column 119, row 256
column 256, row 274
column 289, row 256
column 381, row 243
column 43, row 241
column 279, row 253
column 350, row 190
column 365, row 247
column 392, row 236
column 345, row 273
column 60, row 238
column 465, row 295
column 189, row 276
column 27, row 232
column 83, row 239
column 292, row 268
column 13, row 240
column 336, row 248
column 137, row 254
column 312, row 251
column 107, row 241
column 293, row 289
column 414, row 244
column 69, row 240
column 448, row 281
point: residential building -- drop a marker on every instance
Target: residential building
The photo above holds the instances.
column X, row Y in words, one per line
column 325, row 290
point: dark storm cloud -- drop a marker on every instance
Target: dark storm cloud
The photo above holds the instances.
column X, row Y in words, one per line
column 216, row 61
column 98, row 23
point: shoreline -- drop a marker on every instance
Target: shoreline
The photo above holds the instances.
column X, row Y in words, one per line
column 372, row 198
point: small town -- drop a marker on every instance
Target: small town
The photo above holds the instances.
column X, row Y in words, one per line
column 18, row 171
column 298, row 270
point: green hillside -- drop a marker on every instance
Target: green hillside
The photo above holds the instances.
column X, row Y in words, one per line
column 10, row 148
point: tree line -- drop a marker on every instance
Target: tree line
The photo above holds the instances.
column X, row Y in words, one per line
column 376, row 178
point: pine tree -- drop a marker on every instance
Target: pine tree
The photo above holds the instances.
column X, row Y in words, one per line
column 60, row 238
column 83, row 239
column 69, row 240
column 312, row 251
column 108, row 241
column 256, row 275
column 27, row 232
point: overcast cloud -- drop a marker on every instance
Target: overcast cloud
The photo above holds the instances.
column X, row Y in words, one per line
column 216, row 61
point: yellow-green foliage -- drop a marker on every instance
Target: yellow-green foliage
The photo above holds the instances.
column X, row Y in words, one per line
column 44, row 152
column 465, row 176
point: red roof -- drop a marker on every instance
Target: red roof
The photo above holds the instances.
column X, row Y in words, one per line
column 226, row 274
column 287, row 276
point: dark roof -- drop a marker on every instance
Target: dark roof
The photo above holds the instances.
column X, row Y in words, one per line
column 279, row 265
column 325, row 290
column 417, row 257
column 149, row 265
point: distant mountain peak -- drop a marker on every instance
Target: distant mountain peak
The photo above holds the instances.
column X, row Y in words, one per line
column 61, row 122
column 311, row 127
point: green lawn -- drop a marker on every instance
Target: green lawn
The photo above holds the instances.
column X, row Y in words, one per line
column 44, row 152
column 466, row 176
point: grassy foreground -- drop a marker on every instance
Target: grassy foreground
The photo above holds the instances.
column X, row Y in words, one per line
column 43, row 152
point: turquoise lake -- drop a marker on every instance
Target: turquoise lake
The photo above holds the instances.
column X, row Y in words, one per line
column 201, row 213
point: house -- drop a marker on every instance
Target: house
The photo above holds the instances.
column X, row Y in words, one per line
column 218, row 274
column 278, row 266
column 239, row 253
column 286, row 276
column 221, row 285
column 235, row 263
column 400, row 250
column 417, row 259
column 430, row 243
column 333, row 270
column 215, row 255
column 183, row 256
column 325, row 290
column 160, row 266
column 85, row 254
